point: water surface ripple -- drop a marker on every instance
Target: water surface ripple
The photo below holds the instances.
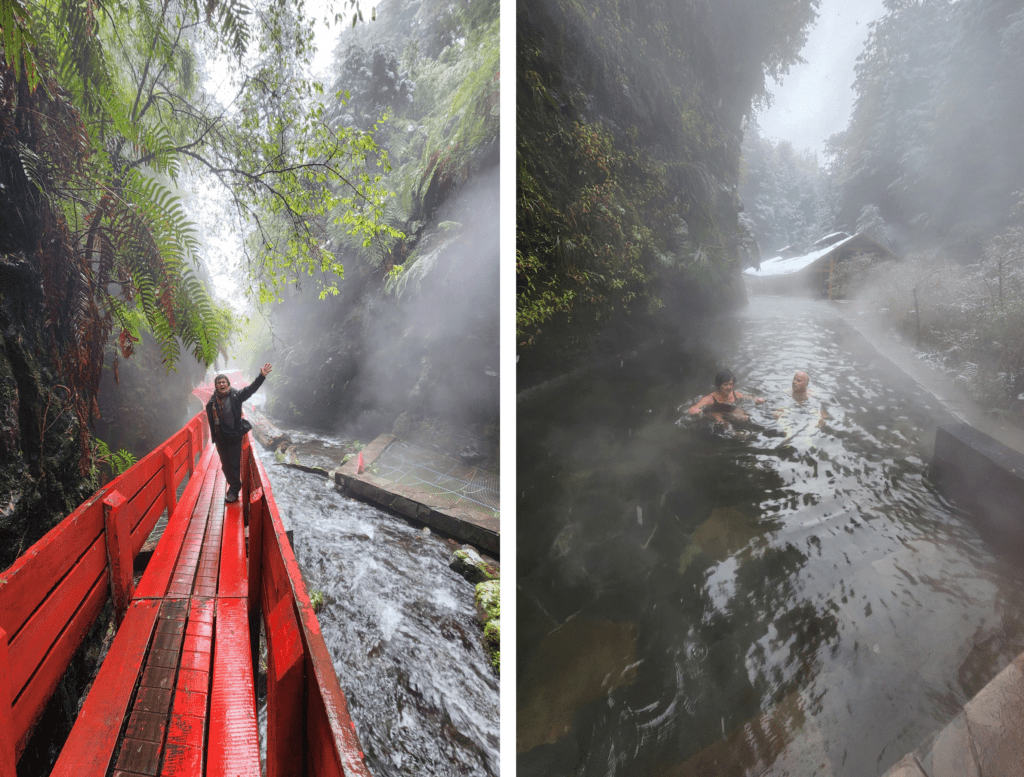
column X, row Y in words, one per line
column 793, row 597
column 400, row 627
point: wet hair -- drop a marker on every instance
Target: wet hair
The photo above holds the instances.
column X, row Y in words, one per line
column 221, row 376
column 724, row 377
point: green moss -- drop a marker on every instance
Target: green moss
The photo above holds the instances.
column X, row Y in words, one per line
column 316, row 598
column 488, row 598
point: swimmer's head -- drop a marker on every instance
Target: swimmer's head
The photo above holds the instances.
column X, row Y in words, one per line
column 800, row 381
column 724, row 377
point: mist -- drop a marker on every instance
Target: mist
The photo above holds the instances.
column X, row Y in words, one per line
column 765, row 586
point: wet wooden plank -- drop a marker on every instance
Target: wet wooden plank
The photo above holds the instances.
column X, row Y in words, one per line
column 186, row 729
column 29, row 705
column 90, row 746
column 43, row 626
column 234, row 739
column 156, row 581
column 233, row 574
column 152, row 494
column 139, row 756
column 28, row 581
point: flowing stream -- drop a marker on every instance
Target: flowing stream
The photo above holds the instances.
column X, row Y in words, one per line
column 400, row 626
column 787, row 596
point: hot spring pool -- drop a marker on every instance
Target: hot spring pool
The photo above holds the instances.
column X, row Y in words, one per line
column 797, row 599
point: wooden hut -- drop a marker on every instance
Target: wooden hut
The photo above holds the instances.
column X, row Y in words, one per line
column 811, row 273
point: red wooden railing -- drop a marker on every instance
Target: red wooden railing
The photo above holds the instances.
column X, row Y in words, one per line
column 54, row 593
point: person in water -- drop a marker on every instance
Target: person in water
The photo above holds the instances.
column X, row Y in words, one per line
column 802, row 393
column 801, row 380
column 224, row 411
column 721, row 403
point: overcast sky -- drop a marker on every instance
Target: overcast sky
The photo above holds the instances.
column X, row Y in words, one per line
column 815, row 99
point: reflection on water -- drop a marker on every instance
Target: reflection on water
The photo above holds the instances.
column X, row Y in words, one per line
column 788, row 596
column 400, row 627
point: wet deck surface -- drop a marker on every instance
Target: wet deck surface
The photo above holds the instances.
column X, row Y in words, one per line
column 189, row 707
column 466, row 521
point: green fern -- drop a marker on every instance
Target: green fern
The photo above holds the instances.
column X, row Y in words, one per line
column 118, row 461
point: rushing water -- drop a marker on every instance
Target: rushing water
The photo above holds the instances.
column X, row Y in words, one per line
column 401, row 629
column 790, row 597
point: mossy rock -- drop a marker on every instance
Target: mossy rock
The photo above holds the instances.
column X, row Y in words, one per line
column 472, row 566
column 488, row 600
column 492, row 641
column 488, row 607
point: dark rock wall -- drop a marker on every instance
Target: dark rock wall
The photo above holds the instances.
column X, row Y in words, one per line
column 41, row 477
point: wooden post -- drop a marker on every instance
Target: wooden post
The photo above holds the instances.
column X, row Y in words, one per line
column 172, row 490
column 191, row 449
column 8, row 740
column 119, row 553
column 255, row 576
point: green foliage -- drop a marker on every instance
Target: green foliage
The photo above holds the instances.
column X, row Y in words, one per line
column 17, row 40
column 933, row 139
column 316, row 598
column 118, row 461
column 436, row 79
column 627, row 154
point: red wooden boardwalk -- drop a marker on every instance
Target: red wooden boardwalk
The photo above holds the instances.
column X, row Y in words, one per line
column 175, row 695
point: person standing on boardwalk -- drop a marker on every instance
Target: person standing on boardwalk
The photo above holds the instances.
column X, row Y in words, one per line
column 227, row 428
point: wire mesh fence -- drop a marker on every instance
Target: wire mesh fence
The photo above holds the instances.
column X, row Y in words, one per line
column 448, row 481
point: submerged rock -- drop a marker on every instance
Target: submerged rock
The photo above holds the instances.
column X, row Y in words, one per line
column 581, row 661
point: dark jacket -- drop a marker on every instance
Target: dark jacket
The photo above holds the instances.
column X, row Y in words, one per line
column 238, row 396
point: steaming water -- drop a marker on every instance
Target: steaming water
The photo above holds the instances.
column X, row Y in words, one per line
column 798, row 600
column 400, row 628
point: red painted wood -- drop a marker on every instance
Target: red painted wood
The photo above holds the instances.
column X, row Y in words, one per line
column 233, row 749
column 170, row 487
column 158, row 573
column 187, row 726
column 326, row 702
column 27, row 582
column 119, row 554
column 89, row 747
column 31, row 643
column 192, row 448
column 285, row 681
column 142, row 512
column 255, row 547
column 139, row 475
column 255, row 572
column 233, row 581
column 8, row 745
column 244, row 474
column 30, row 704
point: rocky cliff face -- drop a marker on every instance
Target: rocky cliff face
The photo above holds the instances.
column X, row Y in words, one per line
column 629, row 123
column 41, row 432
